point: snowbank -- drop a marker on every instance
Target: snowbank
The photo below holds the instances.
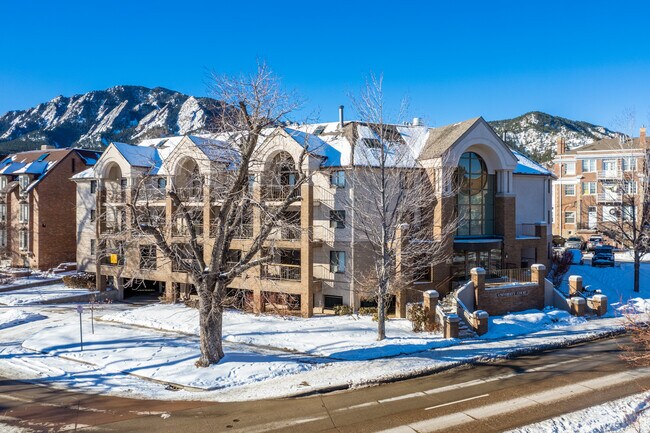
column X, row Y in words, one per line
column 13, row 317
column 42, row 294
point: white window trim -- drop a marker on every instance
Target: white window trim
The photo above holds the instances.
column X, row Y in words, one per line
column 565, row 217
column 574, row 190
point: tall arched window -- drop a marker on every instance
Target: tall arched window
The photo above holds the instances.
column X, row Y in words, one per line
column 475, row 199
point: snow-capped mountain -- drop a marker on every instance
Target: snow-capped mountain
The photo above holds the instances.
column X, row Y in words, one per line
column 93, row 119
column 536, row 133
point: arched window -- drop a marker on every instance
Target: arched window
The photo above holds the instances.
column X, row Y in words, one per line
column 475, row 198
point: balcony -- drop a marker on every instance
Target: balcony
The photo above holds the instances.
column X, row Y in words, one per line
column 112, row 228
column 610, row 174
column 151, row 194
column 115, row 195
column 275, row 271
column 609, row 197
column 183, row 230
column 190, row 194
column 280, row 192
column 244, row 231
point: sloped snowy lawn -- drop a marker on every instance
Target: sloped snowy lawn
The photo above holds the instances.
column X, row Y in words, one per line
column 37, row 295
column 160, row 356
column 526, row 322
column 627, row 415
column 338, row 337
column 12, row 317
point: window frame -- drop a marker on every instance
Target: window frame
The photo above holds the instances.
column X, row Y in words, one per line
column 565, row 168
column 335, row 261
column 572, row 186
column 337, row 179
column 590, row 191
column 567, row 213
column 337, row 219
column 591, row 163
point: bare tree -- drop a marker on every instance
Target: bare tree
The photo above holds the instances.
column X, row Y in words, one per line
column 394, row 202
column 249, row 109
column 626, row 219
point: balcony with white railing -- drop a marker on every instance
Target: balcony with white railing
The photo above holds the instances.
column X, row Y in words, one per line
column 610, row 174
column 609, row 197
column 274, row 271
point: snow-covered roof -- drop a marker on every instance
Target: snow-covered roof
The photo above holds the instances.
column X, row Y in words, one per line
column 525, row 165
column 88, row 173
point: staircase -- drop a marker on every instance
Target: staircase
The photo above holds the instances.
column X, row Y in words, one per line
column 64, row 267
column 450, row 306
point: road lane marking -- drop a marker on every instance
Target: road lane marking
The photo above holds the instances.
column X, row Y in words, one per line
column 402, row 397
column 455, row 402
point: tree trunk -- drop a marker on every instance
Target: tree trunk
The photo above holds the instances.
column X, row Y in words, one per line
column 210, row 324
column 381, row 316
column 637, row 265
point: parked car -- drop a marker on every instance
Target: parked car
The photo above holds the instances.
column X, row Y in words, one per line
column 574, row 242
column 593, row 242
column 576, row 256
column 558, row 241
column 603, row 256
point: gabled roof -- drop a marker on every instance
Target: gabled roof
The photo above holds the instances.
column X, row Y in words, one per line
column 442, row 138
column 612, row 144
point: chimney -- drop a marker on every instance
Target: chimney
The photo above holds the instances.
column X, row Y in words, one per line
column 417, row 121
column 560, row 145
column 642, row 140
column 340, row 116
column 47, row 147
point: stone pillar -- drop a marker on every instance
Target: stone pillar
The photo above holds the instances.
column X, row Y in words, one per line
column 599, row 304
column 430, row 303
column 575, row 285
column 400, row 304
column 578, row 305
column 306, row 250
column 119, row 285
column 451, row 326
column 481, row 321
column 538, row 275
column 478, row 279
column 170, row 293
column 258, row 301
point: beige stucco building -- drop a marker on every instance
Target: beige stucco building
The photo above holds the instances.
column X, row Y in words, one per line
column 507, row 224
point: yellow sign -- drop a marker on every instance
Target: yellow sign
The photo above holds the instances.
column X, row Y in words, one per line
column 113, row 259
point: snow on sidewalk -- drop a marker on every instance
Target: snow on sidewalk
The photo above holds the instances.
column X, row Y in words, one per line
column 626, row 415
column 42, row 294
column 160, row 356
column 13, row 317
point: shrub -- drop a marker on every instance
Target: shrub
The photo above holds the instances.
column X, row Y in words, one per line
column 417, row 314
column 368, row 311
column 342, row 310
column 560, row 264
column 81, row 280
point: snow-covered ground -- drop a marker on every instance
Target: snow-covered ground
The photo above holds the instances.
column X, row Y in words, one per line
column 12, row 317
column 627, row 415
column 41, row 294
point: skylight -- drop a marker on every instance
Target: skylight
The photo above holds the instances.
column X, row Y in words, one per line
column 42, row 157
column 319, row 130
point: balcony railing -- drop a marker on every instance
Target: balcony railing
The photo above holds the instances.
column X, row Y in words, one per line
column 115, row 195
column 274, row 271
column 280, row 192
column 610, row 174
column 609, row 197
column 112, row 228
column 190, row 193
column 244, row 231
column 152, row 193
column 496, row 276
column 183, row 230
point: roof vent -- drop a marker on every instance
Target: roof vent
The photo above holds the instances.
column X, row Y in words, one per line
column 417, row 121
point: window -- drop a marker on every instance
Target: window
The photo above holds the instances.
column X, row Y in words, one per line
column 148, row 257
column 93, row 247
column 337, row 262
column 23, row 216
column 123, row 183
column 23, row 181
column 337, row 219
column 569, row 217
column 337, row 178
column 319, row 129
column 569, row 168
column 73, row 165
column 569, row 190
column 93, row 186
column 93, row 215
column 588, row 165
column 629, row 186
column 3, row 182
column 332, row 301
column 371, row 143
column 3, row 212
column 588, row 188
column 23, row 240
column 3, row 238
column 629, row 163
column 251, row 181
column 628, row 213
column 475, row 198
column 610, row 213
column 162, row 183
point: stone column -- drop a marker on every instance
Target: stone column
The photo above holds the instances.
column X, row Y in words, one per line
column 306, row 251
column 401, row 296
column 538, row 275
column 430, row 303
column 451, row 326
column 258, row 301
column 481, row 321
column 575, row 285
column 578, row 305
column 478, row 279
column 599, row 304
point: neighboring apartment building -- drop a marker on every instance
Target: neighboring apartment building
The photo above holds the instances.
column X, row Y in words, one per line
column 587, row 191
column 38, row 206
column 507, row 225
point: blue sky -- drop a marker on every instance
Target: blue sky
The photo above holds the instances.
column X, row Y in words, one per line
column 453, row 60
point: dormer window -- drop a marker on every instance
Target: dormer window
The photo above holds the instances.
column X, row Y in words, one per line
column 23, row 181
column 371, row 143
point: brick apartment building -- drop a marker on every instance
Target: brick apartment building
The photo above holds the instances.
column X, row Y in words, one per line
column 593, row 182
column 509, row 208
column 38, row 206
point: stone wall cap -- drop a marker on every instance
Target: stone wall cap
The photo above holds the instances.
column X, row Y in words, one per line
column 481, row 314
column 578, row 300
column 575, row 278
column 599, row 297
column 432, row 293
column 538, row 266
column 452, row 318
column 478, row 271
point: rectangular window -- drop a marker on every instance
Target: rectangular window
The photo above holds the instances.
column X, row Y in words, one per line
column 630, row 187
column 3, row 182
column 93, row 186
column 628, row 213
column 629, row 163
column 3, row 238
column 148, row 257
column 569, row 217
column 337, row 219
column 337, row 262
column 23, row 240
column 23, row 215
column 93, row 215
column 569, row 168
column 3, row 212
column 337, row 178
column 23, row 181
column 569, row 190
column 251, row 181
column 73, row 165
column 332, row 301
column 588, row 188
column 610, row 213
column 588, row 165
column 93, row 244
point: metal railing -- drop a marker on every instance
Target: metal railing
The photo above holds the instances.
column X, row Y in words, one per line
column 521, row 275
column 183, row 230
column 273, row 271
column 151, row 193
column 609, row 197
column 244, row 231
column 610, row 174
column 280, row 192
column 190, row 193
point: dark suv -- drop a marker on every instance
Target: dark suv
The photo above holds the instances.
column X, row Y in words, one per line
column 603, row 256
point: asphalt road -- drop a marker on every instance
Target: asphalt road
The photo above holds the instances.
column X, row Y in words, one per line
column 482, row 398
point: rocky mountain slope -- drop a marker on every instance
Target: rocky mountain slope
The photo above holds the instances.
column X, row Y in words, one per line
column 121, row 113
column 535, row 133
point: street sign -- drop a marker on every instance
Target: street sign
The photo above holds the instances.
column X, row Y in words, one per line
column 80, row 309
